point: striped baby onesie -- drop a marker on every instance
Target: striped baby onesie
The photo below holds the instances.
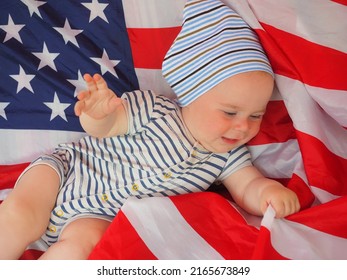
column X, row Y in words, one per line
column 157, row 157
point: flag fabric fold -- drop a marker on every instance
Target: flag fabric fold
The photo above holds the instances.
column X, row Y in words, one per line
column 207, row 226
column 46, row 47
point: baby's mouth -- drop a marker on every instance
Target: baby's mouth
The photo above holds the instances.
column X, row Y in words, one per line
column 230, row 141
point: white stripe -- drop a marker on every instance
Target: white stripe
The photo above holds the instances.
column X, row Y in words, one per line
column 4, row 193
column 299, row 242
column 18, row 146
column 139, row 13
column 276, row 160
column 38, row 245
column 308, row 116
column 332, row 101
column 244, row 10
column 152, row 79
column 308, row 19
column 165, row 232
column 276, row 95
column 322, row 195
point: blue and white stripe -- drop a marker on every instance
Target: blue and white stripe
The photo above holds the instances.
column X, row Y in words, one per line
column 158, row 157
column 214, row 44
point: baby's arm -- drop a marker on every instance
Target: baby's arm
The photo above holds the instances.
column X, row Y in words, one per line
column 101, row 112
column 253, row 192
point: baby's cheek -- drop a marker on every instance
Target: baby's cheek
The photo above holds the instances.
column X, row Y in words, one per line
column 215, row 126
column 255, row 128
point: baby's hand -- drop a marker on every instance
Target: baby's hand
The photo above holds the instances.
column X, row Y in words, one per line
column 98, row 101
column 283, row 200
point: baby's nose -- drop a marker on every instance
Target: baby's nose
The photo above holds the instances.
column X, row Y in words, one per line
column 241, row 124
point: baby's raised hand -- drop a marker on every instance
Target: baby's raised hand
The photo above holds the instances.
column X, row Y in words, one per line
column 98, row 100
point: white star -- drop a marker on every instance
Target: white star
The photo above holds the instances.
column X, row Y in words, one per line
column 46, row 58
column 68, row 33
column 3, row 105
column 58, row 109
column 106, row 64
column 33, row 6
column 79, row 84
column 96, row 10
column 12, row 30
column 23, row 80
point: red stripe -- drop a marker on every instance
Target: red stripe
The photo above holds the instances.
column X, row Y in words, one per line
column 276, row 126
column 121, row 242
column 215, row 220
column 300, row 59
column 342, row 2
column 149, row 46
column 9, row 174
column 324, row 169
column 263, row 249
column 306, row 197
column 330, row 217
column 31, row 254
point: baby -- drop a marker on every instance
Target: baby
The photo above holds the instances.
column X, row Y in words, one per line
column 145, row 145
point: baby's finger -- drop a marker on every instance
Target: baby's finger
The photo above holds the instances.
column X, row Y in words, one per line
column 295, row 206
column 90, row 82
column 79, row 106
column 290, row 206
column 279, row 207
column 83, row 95
column 100, row 82
column 280, row 212
column 112, row 104
column 263, row 207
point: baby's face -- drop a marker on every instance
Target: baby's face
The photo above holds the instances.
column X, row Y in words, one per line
column 229, row 114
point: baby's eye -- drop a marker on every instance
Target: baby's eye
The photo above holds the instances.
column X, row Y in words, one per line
column 230, row 113
column 256, row 117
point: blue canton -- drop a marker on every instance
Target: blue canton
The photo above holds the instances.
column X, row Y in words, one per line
column 46, row 47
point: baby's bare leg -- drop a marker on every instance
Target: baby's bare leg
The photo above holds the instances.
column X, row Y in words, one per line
column 77, row 240
column 24, row 214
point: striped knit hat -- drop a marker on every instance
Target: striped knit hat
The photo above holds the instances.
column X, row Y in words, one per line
column 213, row 45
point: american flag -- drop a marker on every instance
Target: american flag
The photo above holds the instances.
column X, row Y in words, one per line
column 46, row 46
